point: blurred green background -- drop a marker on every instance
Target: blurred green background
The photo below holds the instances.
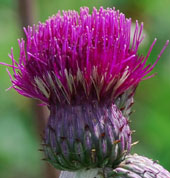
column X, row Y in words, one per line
column 19, row 138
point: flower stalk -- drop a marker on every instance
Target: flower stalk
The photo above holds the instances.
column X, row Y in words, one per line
column 81, row 174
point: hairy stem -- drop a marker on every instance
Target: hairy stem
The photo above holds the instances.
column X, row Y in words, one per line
column 91, row 173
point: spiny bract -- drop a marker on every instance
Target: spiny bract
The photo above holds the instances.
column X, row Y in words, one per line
column 135, row 166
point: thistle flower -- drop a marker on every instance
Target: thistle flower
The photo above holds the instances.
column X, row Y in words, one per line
column 85, row 69
column 135, row 166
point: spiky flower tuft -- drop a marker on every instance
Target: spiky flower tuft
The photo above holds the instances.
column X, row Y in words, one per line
column 86, row 69
column 73, row 57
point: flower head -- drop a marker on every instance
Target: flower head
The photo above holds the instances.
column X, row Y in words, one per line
column 84, row 67
column 73, row 57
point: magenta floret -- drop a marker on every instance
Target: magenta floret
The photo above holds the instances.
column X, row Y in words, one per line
column 80, row 55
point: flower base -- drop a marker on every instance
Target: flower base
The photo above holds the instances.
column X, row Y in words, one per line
column 86, row 136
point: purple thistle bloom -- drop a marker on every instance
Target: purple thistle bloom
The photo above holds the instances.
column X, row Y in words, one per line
column 72, row 57
column 84, row 67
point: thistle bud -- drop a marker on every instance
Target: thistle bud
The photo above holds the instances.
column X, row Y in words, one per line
column 135, row 166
